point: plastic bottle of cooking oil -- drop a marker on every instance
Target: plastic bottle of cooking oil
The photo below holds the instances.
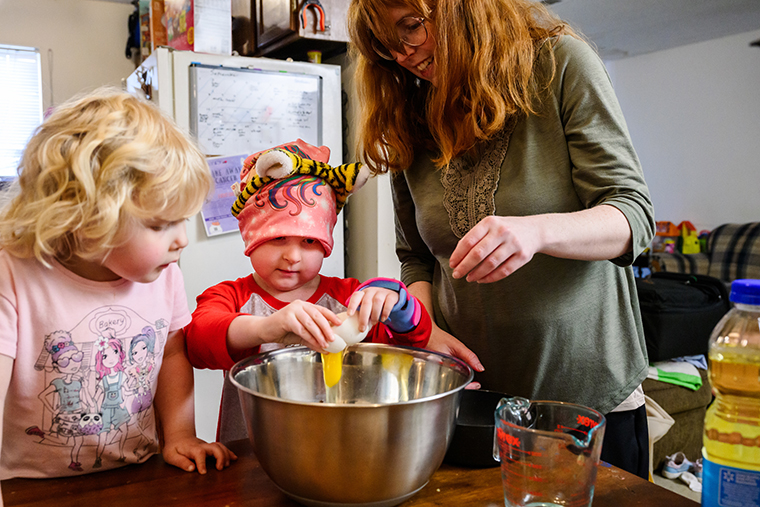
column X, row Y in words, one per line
column 731, row 452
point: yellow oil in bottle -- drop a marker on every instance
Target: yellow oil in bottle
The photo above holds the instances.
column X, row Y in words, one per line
column 731, row 438
column 732, row 424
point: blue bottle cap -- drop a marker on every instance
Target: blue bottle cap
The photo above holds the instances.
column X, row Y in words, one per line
column 745, row 292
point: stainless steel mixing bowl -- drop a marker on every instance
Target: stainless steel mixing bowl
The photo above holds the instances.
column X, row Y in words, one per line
column 375, row 444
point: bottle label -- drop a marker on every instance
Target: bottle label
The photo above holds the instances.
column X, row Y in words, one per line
column 725, row 486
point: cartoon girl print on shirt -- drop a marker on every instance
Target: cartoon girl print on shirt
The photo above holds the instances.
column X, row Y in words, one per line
column 108, row 361
column 66, row 397
column 141, row 374
column 109, row 364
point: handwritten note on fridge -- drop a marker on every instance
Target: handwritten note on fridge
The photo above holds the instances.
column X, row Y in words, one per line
column 217, row 210
column 248, row 110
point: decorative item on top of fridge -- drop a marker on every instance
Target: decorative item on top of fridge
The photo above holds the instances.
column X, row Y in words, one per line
column 199, row 25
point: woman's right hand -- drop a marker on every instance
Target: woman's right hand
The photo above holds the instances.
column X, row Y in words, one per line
column 441, row 341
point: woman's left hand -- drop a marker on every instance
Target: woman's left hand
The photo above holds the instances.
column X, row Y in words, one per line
column 495, row 248
column 498, row 246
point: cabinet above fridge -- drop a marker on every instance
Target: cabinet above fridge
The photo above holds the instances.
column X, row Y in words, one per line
column 291, row 28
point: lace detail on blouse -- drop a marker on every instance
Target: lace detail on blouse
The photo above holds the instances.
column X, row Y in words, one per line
column 468, row 192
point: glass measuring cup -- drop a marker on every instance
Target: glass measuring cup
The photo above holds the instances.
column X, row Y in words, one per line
column 548, row 451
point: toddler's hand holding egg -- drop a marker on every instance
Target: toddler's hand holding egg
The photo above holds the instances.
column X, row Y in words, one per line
column 346, row 334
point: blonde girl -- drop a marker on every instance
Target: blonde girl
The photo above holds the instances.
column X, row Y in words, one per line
column 89, row 242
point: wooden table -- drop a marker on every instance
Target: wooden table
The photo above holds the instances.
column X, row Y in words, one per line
column 245, row 483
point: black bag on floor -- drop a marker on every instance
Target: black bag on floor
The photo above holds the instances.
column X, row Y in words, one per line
column 679, row 312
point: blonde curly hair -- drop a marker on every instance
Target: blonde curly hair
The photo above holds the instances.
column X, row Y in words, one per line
column 484, row 56
column 98, row 162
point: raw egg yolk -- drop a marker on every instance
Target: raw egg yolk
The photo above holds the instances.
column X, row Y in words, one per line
column 332, row 367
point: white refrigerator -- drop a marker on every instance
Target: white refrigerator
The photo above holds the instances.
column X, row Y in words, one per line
column 234, row 106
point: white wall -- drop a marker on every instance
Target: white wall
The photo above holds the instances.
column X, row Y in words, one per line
column 370, row 237
column 694, row 116
column 81, row 42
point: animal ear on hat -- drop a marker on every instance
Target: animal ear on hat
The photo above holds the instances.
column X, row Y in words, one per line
column 279, row 163
column 344, row 179
column 275, row 164
column 299, row 147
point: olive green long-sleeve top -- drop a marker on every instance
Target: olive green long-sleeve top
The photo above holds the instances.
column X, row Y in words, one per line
column 556, row 329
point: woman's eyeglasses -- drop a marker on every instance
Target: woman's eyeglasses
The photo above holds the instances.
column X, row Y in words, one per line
column 411, row 31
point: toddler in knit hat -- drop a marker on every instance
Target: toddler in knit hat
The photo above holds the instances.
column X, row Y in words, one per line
column 288, row 204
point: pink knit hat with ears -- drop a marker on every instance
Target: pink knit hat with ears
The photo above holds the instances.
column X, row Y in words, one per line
column 299, row 147
column 290, row 190
column 299, row 205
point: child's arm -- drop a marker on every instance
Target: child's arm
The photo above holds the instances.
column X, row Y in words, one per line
column 299, row 322
column 388, row 301
column 220, row 335
column 206, row 334
column 6, row 366
column 175, row 408
column 373, row 303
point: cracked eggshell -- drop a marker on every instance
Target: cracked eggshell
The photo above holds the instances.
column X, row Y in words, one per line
column 336, row 345
column 346, row 334
column 349, row 329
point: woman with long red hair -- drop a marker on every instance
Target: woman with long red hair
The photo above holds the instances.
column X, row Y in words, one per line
column 520, row 202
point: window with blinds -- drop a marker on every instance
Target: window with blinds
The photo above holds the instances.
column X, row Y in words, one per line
column 20, row 103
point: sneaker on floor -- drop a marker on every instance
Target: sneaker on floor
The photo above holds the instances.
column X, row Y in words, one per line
column 697, row 469
column 675, row 465
column 690, row 480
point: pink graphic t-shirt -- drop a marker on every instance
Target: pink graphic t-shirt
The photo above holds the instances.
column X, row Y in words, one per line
column 87, row 356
